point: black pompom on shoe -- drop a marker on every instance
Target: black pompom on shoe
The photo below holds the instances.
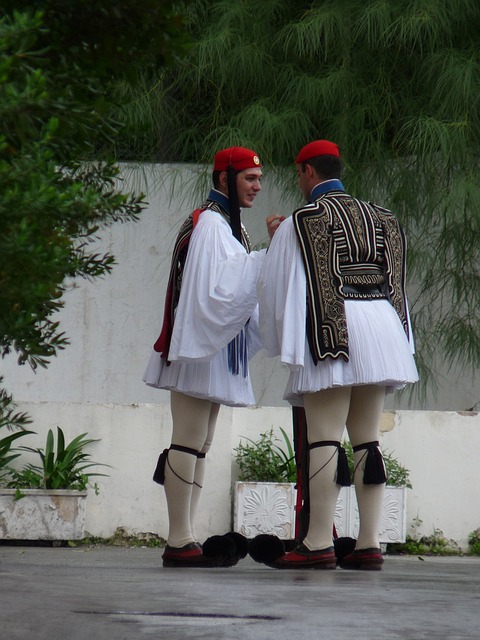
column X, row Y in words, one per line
column 266, row 548
column 227, row 549
column 241, row 543
column 343, row 547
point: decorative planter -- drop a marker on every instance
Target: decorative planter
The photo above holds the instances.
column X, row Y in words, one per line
column 269, row 507
column 265, row 507
column 42, row 515
column 393, row 527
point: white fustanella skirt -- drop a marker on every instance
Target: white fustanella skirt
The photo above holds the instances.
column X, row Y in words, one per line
column 379, row 353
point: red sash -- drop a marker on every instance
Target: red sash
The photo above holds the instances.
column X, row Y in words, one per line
column 162, row 345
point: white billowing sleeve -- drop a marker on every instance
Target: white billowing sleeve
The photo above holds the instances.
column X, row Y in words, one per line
column 253, row 335
column 218, row 293
column 282, row 294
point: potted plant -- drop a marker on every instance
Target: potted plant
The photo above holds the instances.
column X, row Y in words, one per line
column 264, row 495
column 47, row 501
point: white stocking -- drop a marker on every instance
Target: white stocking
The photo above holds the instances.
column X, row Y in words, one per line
column 363, row 424
column 191, row 418
column 200, row 465
column 326, row 412
column 179, row 474
column 323, row 497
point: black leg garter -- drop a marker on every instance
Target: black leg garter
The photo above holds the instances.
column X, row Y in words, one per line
column 343, row 473
column 159, row 473
column 374, row 471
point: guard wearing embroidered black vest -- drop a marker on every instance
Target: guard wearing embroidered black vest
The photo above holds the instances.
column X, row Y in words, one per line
column 336, row 271
column 209, row 332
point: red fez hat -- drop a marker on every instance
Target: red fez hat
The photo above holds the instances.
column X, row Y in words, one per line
column 317, row 148
column 237, row 157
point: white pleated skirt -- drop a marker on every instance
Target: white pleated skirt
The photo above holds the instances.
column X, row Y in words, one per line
column 379, row 353
column 210, row 380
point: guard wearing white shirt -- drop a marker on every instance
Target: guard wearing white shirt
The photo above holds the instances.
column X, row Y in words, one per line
column 333, row 307
column 207, row 337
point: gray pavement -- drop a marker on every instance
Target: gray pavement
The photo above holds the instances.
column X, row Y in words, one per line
column 110, row 593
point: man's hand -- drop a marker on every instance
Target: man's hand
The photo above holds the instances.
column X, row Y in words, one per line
column 273, row 223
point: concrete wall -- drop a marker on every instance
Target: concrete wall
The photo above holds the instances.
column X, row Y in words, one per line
column 438, row 448
column 95, row 384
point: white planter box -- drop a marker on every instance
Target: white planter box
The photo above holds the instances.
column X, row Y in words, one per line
column 265, row 507
column 42, row 515
column 393, row 527
column 269, row 507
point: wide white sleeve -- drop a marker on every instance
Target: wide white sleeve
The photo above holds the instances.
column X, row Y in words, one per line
column 218, row 293
column 253, row 334
column 281, row 293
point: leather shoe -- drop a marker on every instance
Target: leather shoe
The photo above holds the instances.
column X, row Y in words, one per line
column 363, row 560
column 191, row 555
column 302, row 558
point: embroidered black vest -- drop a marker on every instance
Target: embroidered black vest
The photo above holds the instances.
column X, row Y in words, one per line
column 351, row 250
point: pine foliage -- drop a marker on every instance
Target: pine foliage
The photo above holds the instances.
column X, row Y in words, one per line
column 394, row 82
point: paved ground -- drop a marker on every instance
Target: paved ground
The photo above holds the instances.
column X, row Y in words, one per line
column 109, row 593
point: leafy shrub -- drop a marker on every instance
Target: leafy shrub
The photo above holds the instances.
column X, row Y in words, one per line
column 63, row 466
column 433, row 545
column 264, row 461
column 474, row 542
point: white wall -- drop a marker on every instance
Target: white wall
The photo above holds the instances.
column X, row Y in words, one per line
column 440, row 449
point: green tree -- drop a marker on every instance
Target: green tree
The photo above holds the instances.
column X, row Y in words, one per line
column 58, row 61
column 394, row 82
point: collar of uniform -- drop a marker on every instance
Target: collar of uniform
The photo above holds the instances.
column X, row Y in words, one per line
column 325, row 187
column 219, row 198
